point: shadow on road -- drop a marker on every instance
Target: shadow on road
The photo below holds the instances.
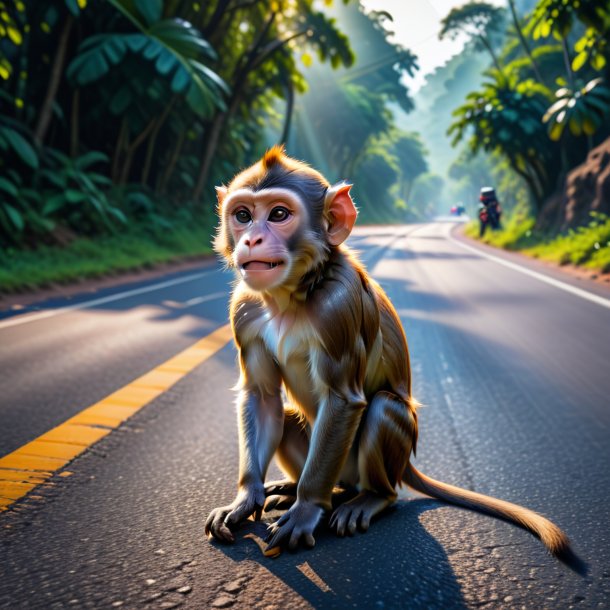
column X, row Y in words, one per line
column 396, row 564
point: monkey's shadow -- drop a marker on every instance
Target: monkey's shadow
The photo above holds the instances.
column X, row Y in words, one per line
column 396, row 564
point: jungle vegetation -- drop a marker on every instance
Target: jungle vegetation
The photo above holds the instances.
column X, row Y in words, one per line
column 118, row 117
column 540, row 106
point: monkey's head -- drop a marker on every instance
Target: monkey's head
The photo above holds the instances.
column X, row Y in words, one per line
column 279, row 220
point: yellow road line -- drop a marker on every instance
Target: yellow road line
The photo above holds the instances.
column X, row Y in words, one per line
column 35, row 462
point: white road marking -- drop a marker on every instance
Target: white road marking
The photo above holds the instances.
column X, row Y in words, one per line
column 49, row 313
column 205, row 299
column 583, row 294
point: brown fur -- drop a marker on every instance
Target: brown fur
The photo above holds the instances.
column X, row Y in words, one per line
column 329, row 337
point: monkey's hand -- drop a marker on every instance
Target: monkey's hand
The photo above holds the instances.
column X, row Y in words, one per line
column 249, row 500
column 299, row 522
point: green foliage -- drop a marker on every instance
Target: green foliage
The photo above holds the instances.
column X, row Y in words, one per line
column 345, row 124
column 410, row 153
column 381, row 171
column 331, row 44
column 427, row 194
column 481, row 22
column 587, row 246
column 505, row 118
column 134, row 249
column 517, row 232
column 174, row 48
column 74, row 193
column 501, row 116
column 350, row 116
column 12, row 142
column 64, row 193
column 557, row 18
column 381, row 65
column 584, row 111
column 550, row 62
column 467, row 174
column 475, row 19
column 20, row 210
column 592, row 48
column 390, row 163
column 108, row 107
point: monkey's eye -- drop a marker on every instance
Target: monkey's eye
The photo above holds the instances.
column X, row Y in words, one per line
column 243, row 216
column 279, row 214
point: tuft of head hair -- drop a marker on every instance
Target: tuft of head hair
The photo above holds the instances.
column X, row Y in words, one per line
column 273, row 156
column 277, row 169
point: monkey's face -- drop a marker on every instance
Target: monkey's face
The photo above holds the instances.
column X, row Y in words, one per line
column 263, row 226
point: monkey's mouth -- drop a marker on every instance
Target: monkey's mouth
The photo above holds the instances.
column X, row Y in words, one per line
column 261, row 265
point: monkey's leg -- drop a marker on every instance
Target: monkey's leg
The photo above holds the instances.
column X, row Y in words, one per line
column 290, row 455
column 387, row 437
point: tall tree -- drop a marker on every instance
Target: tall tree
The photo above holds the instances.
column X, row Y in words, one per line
column 480, row 22
column 523, row 41
column 289, row 25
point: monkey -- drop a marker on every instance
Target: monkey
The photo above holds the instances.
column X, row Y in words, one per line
column 311, row 325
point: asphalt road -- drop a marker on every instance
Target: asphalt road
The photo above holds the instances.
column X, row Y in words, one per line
column 514, row 376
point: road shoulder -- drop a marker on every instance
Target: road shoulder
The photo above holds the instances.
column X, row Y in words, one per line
column 91, row 287
column 594, row 282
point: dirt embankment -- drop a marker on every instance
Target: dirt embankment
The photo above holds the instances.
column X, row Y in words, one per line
column 587, row 190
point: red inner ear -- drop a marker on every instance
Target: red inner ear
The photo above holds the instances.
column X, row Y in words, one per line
column 343, row 216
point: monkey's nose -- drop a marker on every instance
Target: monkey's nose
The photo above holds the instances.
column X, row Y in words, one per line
column 255, row 241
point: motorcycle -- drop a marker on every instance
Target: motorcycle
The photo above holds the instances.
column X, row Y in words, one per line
column 489, row 211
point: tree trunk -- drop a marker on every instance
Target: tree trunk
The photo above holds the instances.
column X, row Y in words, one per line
column 209, row 152
column 531, row 183
column 221, row 118
column 169, row 170
column 289, row 110
column 118, row 150
column 22, row 83
column 74, row 123
column 153, row 139
column 568, row 63
column 524, row 44
column 489, row 48
column 211, row 28
column 407, row 189
column 250, row 62
column 132, row 148
column 46, row 110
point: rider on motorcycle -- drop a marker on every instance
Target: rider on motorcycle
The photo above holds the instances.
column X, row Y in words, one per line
column 489, row 210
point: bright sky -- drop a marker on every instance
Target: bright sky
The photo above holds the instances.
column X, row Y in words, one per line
column 416, row 26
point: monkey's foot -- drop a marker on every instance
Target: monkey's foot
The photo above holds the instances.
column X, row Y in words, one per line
column 358, row 512
column 284, row 487
column 280, row 494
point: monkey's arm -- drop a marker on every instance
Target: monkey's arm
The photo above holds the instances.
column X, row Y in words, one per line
column 333, row 435
column 260, row 425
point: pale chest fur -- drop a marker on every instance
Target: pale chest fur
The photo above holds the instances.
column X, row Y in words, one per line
column 294, row 344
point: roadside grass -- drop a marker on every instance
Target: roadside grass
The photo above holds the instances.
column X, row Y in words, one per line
column 587, row 246
column 131, row 250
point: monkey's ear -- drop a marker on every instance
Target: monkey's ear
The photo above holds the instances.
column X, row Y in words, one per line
column 342, row 213
column 221, row 192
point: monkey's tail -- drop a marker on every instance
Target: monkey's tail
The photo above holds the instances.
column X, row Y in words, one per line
column 552, row 537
